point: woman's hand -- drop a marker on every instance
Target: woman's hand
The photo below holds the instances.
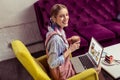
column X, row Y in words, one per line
column 72, row 48
column 98, row 69
column 73, row 39
column 74, row 42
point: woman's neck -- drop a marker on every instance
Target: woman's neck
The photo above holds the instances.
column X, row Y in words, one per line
column 59, row 27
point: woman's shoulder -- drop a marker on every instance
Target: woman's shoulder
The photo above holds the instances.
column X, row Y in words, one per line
column 56, row 37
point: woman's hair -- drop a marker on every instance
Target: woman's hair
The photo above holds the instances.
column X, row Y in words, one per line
column 54, row 12
column 55, row 9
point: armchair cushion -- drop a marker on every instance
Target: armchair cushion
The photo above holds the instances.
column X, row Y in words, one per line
column 88, row 74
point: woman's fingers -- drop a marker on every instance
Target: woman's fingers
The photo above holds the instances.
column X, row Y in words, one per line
column 74, row 46
column 98, row 69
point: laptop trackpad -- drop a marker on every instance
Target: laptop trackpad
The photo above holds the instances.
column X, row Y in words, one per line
column 78, row 67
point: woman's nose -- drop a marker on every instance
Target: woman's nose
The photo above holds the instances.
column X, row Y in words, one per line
column 66, row 17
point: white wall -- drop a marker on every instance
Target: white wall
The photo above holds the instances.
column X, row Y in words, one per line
column 14, row 12
column 18, row 21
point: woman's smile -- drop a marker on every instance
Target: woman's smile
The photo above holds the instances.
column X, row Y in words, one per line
column 62, row 18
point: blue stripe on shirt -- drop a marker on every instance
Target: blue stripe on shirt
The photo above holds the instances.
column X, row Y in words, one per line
column 55, row 47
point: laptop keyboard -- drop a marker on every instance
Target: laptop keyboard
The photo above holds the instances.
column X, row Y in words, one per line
column 86, row 62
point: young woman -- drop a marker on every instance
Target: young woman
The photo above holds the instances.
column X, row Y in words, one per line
column 58, row 48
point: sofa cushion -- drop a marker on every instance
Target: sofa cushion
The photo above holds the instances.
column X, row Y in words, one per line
column 71, row 32
column 96, row 30
column 113, row 26
column 106, row 9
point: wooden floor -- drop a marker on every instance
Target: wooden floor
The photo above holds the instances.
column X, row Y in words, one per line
column 13, row 70
column 101, row 77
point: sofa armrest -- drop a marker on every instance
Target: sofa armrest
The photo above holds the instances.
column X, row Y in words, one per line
column 89, row 74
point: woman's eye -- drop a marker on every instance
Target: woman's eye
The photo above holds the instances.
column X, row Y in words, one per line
column 61, row 16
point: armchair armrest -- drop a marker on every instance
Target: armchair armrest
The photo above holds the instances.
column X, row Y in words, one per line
column 89, row 74
column 43, row 61
column 29, row 63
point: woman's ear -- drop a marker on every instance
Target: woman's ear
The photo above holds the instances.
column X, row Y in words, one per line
column 53, row 19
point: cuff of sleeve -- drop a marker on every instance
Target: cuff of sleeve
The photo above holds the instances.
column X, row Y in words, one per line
column 62, row 59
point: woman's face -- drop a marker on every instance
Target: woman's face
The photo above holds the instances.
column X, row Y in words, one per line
column 62, row 18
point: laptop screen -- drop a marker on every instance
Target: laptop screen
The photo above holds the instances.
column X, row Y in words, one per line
column 95, row 50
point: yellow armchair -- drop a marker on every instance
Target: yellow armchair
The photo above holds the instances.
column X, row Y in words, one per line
column 38, row 67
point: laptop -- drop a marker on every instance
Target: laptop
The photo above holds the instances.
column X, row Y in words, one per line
column 91, row 59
